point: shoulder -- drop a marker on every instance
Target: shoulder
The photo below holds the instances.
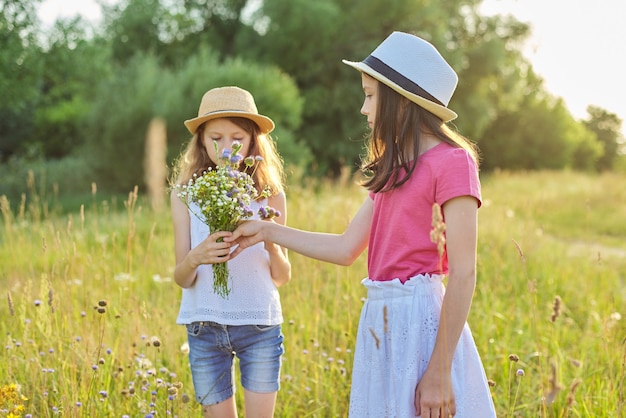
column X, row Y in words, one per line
column 277, row 198
column 177, row 203
column 447, row 157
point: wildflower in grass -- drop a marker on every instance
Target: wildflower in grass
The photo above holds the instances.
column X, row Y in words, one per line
column 37, row 302
column 224, row 195
column 11, row 400
column 520, row 372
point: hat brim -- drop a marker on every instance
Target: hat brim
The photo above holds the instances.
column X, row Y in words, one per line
column 441, row 112
column 265, row 124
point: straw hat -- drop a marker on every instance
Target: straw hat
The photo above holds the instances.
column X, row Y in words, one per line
column 228, row 101
column 414, row 68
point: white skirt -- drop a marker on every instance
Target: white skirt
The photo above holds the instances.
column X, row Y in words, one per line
column 394, row 343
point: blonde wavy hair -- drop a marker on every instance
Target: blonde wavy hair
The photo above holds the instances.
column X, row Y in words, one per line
column 268, row 174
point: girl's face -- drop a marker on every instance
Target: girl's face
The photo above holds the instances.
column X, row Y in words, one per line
column 370, row 88
column 224, row 133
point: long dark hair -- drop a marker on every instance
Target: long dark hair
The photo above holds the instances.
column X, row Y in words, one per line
column 398, row 128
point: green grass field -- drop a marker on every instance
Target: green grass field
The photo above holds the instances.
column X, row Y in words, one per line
column 89, row 314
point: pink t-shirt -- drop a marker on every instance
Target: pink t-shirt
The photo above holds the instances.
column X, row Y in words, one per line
column 400, row 245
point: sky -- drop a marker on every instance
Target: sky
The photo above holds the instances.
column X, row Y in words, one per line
column 576, row 46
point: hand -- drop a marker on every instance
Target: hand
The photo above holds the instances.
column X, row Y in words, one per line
column 434, row 395
column 246, row 235
column 212, row 250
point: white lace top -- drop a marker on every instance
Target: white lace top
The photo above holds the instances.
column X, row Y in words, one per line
column 253, row 298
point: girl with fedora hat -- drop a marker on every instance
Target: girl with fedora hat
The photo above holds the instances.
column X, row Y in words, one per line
column 415, row 354
column 248, row 323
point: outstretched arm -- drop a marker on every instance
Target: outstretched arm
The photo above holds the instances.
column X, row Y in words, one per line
column 434, row 392
column 280, row 267
column 340, row 249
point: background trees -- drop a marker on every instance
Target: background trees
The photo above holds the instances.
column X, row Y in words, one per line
column 77, row 93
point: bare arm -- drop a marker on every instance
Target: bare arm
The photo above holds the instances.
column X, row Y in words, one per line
column 434, row 391
column 187, row 259
column 340, row 249
column 280, row 267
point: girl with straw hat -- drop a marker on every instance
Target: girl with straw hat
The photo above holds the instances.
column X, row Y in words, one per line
column 247, row 323
column 415, row 354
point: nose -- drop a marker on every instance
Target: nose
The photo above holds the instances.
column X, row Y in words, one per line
column 364, row 110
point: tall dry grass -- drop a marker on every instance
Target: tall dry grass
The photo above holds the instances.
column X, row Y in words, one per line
column 90, row 305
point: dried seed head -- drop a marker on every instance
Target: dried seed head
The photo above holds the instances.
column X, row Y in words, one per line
column 514, row 358
column 10, row 301
column 556, row 308
column 51, row 299
column 376, row 339
column 438, row 231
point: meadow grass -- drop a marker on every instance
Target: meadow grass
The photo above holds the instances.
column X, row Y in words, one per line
column 89, row 317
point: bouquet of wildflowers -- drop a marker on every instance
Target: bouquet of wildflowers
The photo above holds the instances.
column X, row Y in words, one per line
column 224, row 195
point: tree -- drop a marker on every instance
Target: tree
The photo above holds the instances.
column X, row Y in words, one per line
column 539, row 134
column 144, row 89
column 135, row 26
column 309, row 39
column 20, row 61
column 607, row 127
column 74, row 66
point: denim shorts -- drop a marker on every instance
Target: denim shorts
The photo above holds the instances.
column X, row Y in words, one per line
column 212, row 349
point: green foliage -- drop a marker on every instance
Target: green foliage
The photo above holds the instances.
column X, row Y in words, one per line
column 67, row 176
column 74, row 66
column 144, row 89
column 541, row 134
column 494, row 77
column 288, row 53
column 134, row 26
column 607, row 127
column 94, row 288
column 21, row 69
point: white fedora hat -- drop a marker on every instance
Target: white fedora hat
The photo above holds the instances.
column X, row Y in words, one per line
column 415, row 69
